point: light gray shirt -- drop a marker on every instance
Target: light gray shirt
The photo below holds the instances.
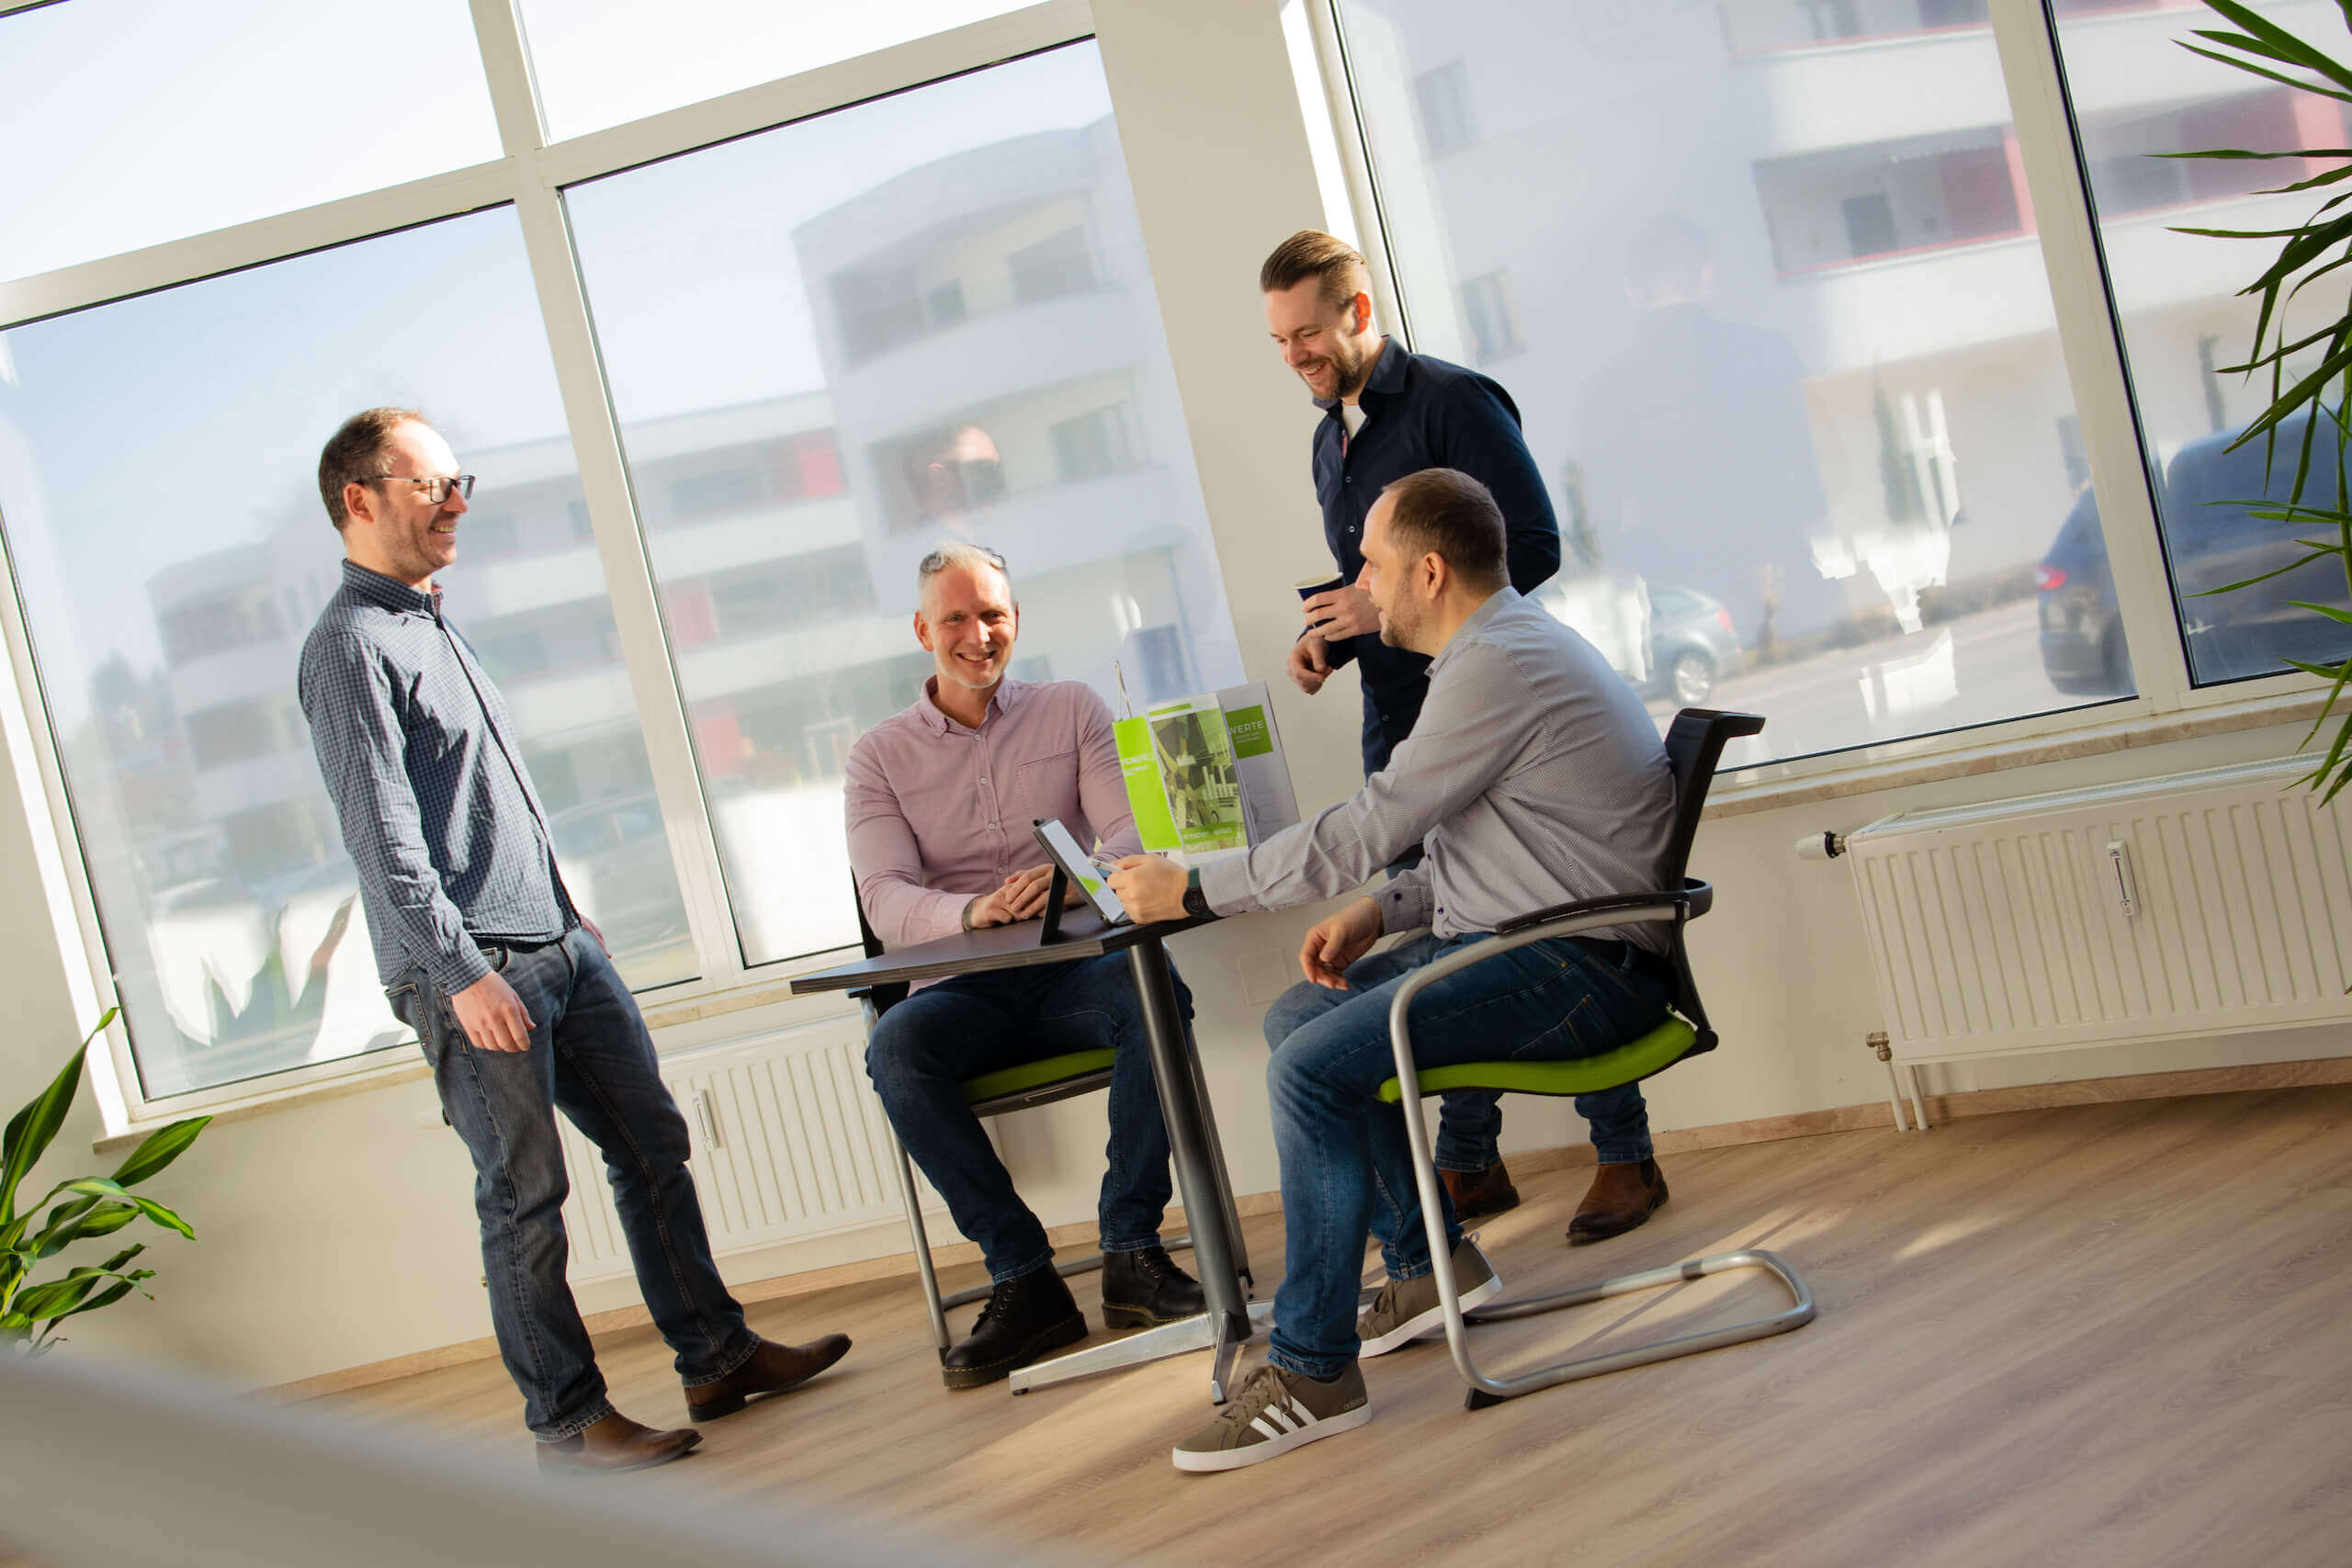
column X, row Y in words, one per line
column 1535, row 776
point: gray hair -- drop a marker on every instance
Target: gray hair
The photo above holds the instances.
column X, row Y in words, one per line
column 955, row 553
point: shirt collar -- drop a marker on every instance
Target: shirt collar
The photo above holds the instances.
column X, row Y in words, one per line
column 1388, row 378
column 1007, row 696
column 390, row 593
column 1476, row 622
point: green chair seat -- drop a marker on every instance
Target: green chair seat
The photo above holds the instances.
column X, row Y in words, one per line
column 1035, row 1075
column 1661, row 1047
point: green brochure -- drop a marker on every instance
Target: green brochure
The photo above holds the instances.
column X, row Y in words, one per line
column 1205, row 775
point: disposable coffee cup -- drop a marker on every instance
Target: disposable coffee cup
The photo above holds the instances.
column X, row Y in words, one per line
column 1309, row 587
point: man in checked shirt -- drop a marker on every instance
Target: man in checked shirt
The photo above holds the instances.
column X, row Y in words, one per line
column 940, row 800
column 507, row 985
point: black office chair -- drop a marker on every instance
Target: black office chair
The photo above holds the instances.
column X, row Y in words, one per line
column 1693, row 744
column 1020, row 1086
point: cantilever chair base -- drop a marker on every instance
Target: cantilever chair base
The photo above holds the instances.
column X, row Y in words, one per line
column 1485, row 1390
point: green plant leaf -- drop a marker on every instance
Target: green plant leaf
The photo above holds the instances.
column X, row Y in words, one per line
column 2241, row 152
column 2282, row 44
column 165, row 1217
column 2330, row 610
column 86, row 1223
column 159, row 1150
column 105, row 1298
column 2250, row 581
column 2249, row 67
column 32, row 1128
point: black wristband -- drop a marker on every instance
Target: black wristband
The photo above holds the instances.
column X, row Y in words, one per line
column 1196, row 904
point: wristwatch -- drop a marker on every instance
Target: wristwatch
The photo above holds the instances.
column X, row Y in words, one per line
column 1196, row 903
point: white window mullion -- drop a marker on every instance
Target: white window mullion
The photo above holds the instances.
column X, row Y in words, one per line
column 2090, row 338
column 604, row 477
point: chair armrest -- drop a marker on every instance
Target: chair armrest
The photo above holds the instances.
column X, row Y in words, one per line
column 1695, row 898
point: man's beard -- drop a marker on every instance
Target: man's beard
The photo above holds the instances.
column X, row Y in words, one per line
column 1397, row 624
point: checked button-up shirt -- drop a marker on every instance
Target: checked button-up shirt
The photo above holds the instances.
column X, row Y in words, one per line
column 419, row 754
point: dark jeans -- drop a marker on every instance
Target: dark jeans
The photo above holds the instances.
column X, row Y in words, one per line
column 590, row 1055
column 969, row 1024
column 1470, row 1121
column 1344, row 1155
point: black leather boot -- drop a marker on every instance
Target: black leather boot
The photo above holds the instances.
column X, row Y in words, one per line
column 1025, row 1317
column 1145, row 1289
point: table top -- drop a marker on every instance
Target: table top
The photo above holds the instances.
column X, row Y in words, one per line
column 1084, row 934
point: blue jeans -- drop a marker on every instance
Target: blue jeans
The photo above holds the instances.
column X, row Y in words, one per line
column 590, row 1056
column 1470, row 1121
column 1344, row 1155
column 968, row 1024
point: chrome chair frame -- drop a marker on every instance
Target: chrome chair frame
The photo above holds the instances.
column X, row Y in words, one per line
column 1693, row 745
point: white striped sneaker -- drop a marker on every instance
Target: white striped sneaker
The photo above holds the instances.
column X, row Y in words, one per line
column 1273, row 1412
column 1407, row 1309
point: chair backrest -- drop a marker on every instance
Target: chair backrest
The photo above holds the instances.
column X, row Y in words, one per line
column 865, row 932
column 1694, row 743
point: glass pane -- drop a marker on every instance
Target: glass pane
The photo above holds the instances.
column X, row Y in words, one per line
column 1774, row 311
column 603, row 63
column 833, row 347
column 158, row 463
column 138, row 121
column 2137, row 94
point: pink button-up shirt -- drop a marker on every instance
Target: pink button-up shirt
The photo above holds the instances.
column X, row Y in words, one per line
column 938, row 813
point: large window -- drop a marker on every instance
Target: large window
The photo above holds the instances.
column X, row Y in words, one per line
column 131, row 122
column 2137, row 94
column 838, row 345
column 1777, row 318
column 600, row 62
column 158, row 462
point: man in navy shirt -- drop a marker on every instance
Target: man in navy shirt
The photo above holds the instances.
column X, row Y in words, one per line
column 1389, row 413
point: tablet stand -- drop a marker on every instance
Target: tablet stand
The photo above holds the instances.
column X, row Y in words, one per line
column 1052, row 930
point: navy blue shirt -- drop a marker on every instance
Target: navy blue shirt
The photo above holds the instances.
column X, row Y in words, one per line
column 1421, row 412
column 419, row 754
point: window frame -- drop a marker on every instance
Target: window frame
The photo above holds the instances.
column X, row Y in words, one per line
column 530, row 177
column 2090, row 340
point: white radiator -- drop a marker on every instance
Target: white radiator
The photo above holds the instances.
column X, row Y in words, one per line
column 2198, row 903
column 788, row 1143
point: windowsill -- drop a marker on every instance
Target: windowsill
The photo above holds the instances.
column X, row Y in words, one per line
column 1999, row 756
column 402, row 1064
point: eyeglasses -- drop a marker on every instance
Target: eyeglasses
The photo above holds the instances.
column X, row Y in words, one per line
column 436, row 489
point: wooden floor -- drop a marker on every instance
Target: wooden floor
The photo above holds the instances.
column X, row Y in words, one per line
column 2115, row 1334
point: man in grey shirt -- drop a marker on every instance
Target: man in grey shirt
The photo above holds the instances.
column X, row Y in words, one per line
column 508, row 985
column 1535, row 776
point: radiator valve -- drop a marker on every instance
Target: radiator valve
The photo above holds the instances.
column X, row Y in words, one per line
column 1880, row 1045
column 1821, row 846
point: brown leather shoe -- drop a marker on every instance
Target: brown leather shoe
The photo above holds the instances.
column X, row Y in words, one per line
column 1623, row 1197
column 616, row 1443
column 772, row 1369
column 1478, row 1193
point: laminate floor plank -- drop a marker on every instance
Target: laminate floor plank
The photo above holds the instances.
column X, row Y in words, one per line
column 2104, row 1332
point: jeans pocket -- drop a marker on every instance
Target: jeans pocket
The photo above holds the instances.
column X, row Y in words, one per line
column 401, row 999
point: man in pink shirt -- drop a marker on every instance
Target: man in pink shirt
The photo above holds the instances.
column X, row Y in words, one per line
column 940, row 801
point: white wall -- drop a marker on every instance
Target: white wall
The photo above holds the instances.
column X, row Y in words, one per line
column 339, row 1232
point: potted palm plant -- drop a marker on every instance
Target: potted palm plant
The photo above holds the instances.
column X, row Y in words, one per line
column 2309, row 370
column 78, row 1210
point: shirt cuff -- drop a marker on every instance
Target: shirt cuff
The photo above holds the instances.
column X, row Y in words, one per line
column 1225, row 884
column 1404, row 904
column 453, row 972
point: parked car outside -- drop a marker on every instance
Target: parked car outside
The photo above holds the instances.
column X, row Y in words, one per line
column 1691, row 643
column 2211, row 539
column 1680, row 639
